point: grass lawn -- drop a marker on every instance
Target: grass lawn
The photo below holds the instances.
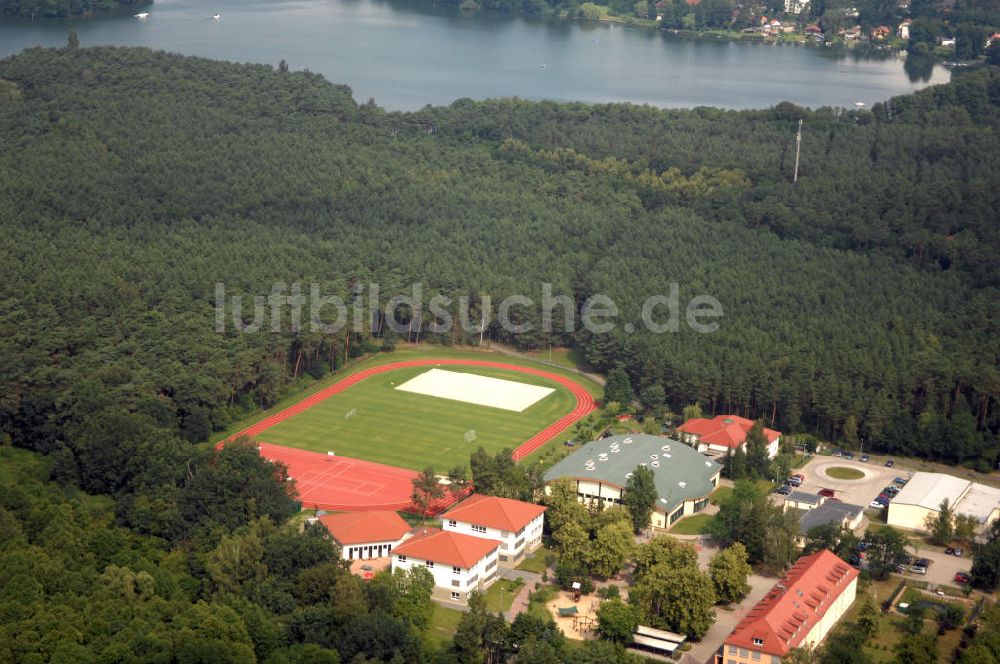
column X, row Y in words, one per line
column 697, row 524
column 413, row 430
column 720, row 494
column 500, row 596
column 844, row 473
column 443, row 624
column 539, row 561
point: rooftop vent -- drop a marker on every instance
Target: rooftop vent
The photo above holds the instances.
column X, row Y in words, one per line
column 665, row 448
column 628, row 475
column 663, row 500
column 655, row 464
column 627, row 441
column 667, row 456
column 654, row 456
column 643, row 463
column 682, row 484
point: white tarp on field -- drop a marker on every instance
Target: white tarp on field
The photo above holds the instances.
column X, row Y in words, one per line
column 480, row 390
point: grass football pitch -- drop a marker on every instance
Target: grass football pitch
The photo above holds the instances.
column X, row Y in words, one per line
column 374, row 421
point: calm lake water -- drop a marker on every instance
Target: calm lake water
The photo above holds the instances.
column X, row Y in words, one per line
column 407, row 53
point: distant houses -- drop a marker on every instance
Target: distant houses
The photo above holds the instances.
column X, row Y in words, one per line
column 600, row 471
column 720, row 434
column 798, row 612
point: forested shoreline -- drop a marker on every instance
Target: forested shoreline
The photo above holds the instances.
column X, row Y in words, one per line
column 62, row 8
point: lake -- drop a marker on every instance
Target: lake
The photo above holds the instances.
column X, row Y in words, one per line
column 406, row 54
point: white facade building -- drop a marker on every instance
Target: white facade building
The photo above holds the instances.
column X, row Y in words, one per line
column 459, row 563
column 517, row 525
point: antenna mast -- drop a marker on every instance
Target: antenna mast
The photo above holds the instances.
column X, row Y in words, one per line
column 798, row 144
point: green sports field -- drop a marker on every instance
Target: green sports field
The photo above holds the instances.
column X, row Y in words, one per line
column 374, row 421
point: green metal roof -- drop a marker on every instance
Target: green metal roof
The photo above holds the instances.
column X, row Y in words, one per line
column 681, row 472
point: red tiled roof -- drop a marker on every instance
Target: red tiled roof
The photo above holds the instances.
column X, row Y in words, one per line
column 724, row 430
column 447, row 548
column 364, row 527
column 493, row 512
column 783, row 618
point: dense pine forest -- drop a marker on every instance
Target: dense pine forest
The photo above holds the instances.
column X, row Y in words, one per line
column 860, row 303
column 861, row 300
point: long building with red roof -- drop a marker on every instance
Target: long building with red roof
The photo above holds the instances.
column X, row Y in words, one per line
column 722, row 433
column 365, row 535
column 798, row 612
column 515, row 523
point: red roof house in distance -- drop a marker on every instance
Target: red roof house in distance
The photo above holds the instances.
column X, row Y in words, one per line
column 797, row 612
column 722, row 433
column 364, row 535
column 459, row 563
column 517, row 525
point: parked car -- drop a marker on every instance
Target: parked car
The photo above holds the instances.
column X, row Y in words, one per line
column 837, row 453
column 908, row 560
column 922, row 562
column 862, row 546
column 918, row 569
column 794, row 481
column 864, row 458
column 889, row 463
column 962, row 577
column 949, row 551
column 892, row 489
column 569, row 443
column 901, row 481
column 958, row 553
column 855, row 561
column 848, row 455
column 834, row 500
column 784, row 490
column 900, row 569
column 884, row 496
column 827, row 493
column 877, row 504
column 799, row 476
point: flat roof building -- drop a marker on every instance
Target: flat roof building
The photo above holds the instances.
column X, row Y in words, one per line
column 924, row 493
column 684, row 478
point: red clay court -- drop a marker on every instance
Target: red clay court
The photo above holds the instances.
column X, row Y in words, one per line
column 348, row 484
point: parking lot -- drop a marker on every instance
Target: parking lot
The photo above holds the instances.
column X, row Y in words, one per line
column 856, row 492
column 861, row 492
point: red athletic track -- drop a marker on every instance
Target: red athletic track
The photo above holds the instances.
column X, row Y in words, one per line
column 347, row 484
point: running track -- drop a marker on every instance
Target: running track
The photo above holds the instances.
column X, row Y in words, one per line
column 347, row 484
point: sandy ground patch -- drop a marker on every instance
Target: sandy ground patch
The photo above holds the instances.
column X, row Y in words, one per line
column 475, row 389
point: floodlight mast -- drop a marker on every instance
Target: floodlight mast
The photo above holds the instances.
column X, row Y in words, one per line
column 798, row 145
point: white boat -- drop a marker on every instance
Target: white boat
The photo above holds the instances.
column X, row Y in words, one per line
column 216, row 17
column 542, row 65
column 141, row 15
column 859, row 104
